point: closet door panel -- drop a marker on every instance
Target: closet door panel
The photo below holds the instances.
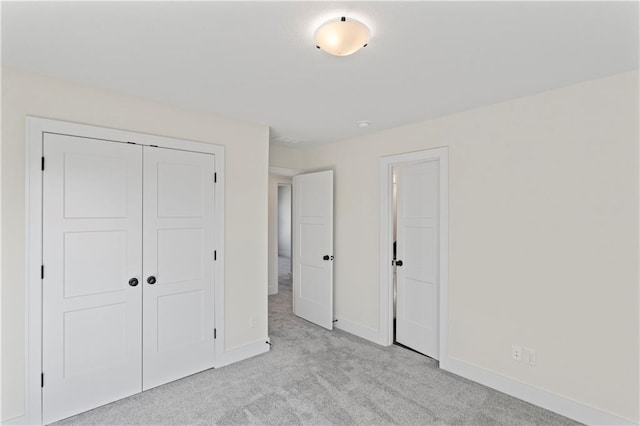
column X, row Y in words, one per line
column 178, row 316
column 92, row 247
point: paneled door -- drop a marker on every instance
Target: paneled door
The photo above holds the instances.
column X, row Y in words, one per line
column 313, row 247
column 417, row 257
column 178, row 305
column 128, row 266
column 92, row 270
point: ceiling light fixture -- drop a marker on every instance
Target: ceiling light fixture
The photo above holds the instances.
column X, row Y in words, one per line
column 342, row 37
column 287, row 139
column 363, row 124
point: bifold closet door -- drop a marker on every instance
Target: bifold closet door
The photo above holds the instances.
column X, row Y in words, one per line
column 92, row 258
column 178, row 258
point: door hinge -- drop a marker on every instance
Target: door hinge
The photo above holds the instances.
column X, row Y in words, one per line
column 41, row 380
column 41, row 272
column 215, row 177
column 215, row 255
column 215, row 334
column 42, row 164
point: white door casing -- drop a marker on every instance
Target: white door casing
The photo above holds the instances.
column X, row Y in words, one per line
column 179, row 259
column 417, row 257
column 92, row 221
column 313, row 247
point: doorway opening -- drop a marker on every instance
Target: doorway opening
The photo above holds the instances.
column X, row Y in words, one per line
column 394, row 218
column 414, row 254
column 278, row 241
column 285, row 193
column 301, row 240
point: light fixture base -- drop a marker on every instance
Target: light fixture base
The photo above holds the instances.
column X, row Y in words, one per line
column 342, row 37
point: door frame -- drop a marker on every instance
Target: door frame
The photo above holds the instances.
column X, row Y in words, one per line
column 36, row 127
column 441, row 155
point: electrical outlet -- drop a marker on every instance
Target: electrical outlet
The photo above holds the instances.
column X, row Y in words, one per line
column 530, row 356
column 253, row 321
column 516, row 352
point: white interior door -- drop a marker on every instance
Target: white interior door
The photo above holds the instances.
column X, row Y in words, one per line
column 313, row 247
column 92, row 230
column 417, row 257
column 178, row 264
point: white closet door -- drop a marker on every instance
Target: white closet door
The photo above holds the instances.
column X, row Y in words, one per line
column 178, row 306
column 91, row 250
column 417, row 254
column 313, row 247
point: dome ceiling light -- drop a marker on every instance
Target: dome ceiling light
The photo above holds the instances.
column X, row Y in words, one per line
column 342, row 37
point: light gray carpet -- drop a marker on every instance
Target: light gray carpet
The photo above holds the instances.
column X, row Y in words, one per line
column 284, row 270
column 313, row 376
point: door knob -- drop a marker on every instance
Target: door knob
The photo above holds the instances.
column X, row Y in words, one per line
column 325, row 257
column 398, row 262
column 151, row 280
column 133, row 282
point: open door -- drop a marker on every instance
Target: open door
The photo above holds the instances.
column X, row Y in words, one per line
column 313, row 247
column 417, row 257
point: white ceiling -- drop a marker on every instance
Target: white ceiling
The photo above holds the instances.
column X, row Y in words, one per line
column 256, row 61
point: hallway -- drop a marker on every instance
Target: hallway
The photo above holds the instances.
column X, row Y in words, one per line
column 284, row 271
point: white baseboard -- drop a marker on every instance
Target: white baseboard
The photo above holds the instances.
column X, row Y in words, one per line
column 15, row 421
column 550, row 401
column 243, row 352
column 534, row 395
column 366, row 333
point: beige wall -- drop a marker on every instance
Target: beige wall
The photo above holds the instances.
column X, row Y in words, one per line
column 245, row 210
column 286, row 157
column 543, row 235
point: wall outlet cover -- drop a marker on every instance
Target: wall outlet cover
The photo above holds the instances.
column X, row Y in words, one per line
column 516, row 352
column 530, row 356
